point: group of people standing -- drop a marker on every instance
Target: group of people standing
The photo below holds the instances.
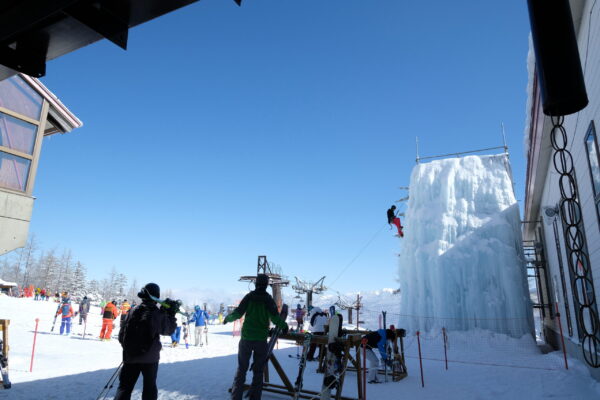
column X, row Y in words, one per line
column 199, row 318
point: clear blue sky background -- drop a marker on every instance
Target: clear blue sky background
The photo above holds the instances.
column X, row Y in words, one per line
column 281, row 128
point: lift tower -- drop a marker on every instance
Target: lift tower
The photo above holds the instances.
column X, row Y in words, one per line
column 309, row 288
column 276, row 279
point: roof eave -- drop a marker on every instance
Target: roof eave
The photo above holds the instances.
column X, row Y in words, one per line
column 59, row 112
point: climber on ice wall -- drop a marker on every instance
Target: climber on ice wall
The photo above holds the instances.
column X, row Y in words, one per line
column 393, row 219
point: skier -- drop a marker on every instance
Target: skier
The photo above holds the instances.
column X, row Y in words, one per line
column 139, row 337
column 200, row 317
column 66, row 311
column 84, row 308
column 299, row 315
column 318, row 320
column 377, row 339
column 176, row 336
column 393, row 219
column 125, row 307
column 259, row 307
column 110, row 314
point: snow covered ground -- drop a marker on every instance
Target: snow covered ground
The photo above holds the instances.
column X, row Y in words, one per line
column 71, row 368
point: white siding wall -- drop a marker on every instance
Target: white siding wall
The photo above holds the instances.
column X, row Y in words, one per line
column 577, row 126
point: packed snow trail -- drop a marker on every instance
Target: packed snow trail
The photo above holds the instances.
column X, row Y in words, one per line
column 461, row 264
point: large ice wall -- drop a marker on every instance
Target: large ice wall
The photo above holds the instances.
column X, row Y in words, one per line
column 461, row 264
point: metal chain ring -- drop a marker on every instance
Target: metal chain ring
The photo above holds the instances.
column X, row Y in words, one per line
column 582, row 285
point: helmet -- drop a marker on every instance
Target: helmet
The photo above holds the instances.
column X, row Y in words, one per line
column 197, row 308
column 393, row 207
column 262, row 281
column 151, row 289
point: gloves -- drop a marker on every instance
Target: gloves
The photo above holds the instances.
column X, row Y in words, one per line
column 286, row 329
column 171, row 306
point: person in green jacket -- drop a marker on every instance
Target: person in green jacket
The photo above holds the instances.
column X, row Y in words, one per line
column 260, row 308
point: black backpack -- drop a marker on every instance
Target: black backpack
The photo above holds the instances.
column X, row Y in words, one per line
column 136, row 335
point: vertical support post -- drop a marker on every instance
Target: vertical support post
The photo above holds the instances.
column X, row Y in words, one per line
column 37, row 320
column 357, row 312
column 420, row 358
column 417, row 143
column 364, row 369
column 445, row 347
column 562, row 339
column 504, row 139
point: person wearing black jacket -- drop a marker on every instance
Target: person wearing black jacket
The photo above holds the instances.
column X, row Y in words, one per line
column 139, row 337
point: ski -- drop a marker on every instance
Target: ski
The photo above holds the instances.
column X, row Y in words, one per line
column 4, row 367
column 299, row 379
column 276, row 331
column 166, row 304
column 330, row 378
column 55, row 315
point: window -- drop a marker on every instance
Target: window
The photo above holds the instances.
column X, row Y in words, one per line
column 16, row 95
column 591, row 144
column 13, row 171
column 16, row 134
column 20, row 113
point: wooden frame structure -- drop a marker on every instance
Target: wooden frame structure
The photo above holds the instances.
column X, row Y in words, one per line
column 351, row 340
column 4, row 328
column 348, row 342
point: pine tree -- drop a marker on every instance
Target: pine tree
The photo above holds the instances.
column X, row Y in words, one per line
column 133, row 290
column 48, row 271
column 29, row 262
column 78, row 286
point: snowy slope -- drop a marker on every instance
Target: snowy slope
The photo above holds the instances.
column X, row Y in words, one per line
column 462, row 260
column 68, row 368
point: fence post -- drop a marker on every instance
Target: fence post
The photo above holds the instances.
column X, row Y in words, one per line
column 445, row 349
column 420, row 358
column 37, row 320
column 562, row 339
column 364, row 371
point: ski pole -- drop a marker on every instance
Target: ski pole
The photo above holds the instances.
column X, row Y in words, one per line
column 37, row 320
column 420, row 358
column 104, row 393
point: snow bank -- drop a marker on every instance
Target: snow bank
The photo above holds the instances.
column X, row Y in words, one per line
column 462, row 259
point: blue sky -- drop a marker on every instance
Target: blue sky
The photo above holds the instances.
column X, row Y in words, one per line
column 281, row 128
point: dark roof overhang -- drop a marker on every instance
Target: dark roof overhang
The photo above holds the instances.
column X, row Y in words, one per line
column 35, row 31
